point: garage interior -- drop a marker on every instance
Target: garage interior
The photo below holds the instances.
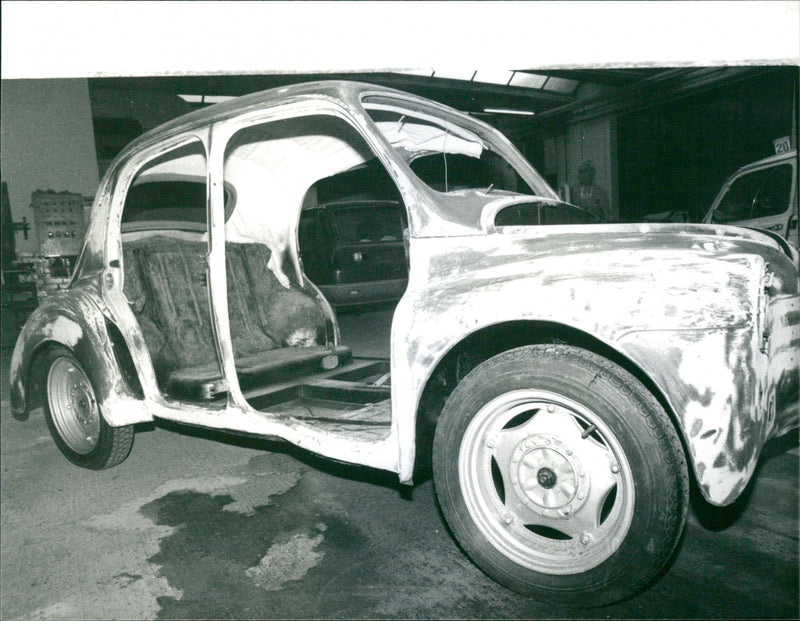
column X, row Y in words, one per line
column 160, row 536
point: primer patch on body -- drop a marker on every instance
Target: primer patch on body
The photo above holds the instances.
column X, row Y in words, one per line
column 65, row 331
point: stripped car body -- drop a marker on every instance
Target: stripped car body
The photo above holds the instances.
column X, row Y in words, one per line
column 706, row 317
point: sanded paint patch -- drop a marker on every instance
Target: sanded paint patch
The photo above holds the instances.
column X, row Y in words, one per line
column 65, row 331
column 286, row 562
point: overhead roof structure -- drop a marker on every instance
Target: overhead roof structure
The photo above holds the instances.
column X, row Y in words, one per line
column 545, row 93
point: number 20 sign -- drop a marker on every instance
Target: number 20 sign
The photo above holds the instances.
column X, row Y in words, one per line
column 782, row 145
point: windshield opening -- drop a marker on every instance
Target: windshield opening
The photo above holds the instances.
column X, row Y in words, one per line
column 758, row 194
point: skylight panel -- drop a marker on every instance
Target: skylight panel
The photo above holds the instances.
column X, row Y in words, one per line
column 528, row 80
column 493, row 77
column 560, row 85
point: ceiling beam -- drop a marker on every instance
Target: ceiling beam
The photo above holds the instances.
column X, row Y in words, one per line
column 606, row 77
column 462, row 94
column 667, row 85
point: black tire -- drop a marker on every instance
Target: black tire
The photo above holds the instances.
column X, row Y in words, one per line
column 74, row 418
column 560, row 475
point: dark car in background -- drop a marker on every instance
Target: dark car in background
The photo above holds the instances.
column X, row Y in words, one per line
column 353, row 250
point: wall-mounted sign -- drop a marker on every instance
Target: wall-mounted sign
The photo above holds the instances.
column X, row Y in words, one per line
column 782, row 145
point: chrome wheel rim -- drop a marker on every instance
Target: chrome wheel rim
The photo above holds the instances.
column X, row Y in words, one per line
column 73, row 406
column 546, row 482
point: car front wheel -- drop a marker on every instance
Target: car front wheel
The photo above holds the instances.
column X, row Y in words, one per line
column 74, row 418
column 560, row 475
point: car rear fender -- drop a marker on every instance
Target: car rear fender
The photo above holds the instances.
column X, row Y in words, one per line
column 73, row 320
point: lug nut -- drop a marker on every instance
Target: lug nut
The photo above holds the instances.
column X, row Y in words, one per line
column 585, row 539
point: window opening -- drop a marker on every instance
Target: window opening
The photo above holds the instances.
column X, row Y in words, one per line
column 164, row 247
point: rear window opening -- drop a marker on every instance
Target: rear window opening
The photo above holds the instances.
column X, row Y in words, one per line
column 542, row 214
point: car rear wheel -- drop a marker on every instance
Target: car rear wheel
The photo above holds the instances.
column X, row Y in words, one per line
column 74, row 418
column 560, row 475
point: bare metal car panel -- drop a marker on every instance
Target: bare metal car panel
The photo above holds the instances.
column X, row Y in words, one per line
column 708, row 314
column 74, row 319
column 702, row 348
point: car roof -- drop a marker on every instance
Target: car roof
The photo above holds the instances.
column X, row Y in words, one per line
column 773, row 159
column 324, row 89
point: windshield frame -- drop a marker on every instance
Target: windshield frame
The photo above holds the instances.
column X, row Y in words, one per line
column 433, row 213
column 464, row 127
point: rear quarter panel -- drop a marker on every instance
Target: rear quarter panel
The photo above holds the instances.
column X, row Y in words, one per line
column 74, row 320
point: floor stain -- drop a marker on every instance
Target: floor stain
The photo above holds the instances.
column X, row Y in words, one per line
column 285, row 562
column 229, row 564
column 122, row 580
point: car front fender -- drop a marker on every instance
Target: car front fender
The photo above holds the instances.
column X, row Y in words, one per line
column 715, row 337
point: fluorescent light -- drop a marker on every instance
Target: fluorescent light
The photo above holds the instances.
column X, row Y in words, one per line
column 217, row 98
column 207, row 99
column 508, row 111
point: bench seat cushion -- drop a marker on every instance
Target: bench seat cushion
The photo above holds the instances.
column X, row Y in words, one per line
column 165, row 283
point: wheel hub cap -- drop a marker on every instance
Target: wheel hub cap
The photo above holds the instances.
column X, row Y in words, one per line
column 82, row 402
column 73, row 407
column 546, row 481
column 547, row 476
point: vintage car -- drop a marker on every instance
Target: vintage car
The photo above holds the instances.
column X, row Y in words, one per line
column 563, row 382
column 353, row 250
column 762, row 195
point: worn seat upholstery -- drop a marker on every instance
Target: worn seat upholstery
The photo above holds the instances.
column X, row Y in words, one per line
column 275, row 331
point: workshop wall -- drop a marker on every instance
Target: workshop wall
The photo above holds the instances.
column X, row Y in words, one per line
column 594, row 140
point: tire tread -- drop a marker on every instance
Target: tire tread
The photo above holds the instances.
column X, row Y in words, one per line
column 640, row 401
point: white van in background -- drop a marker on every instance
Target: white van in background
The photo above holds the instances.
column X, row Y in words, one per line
column 761, row 195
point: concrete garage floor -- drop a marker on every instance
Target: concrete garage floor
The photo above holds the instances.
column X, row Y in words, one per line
column 194, row 526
